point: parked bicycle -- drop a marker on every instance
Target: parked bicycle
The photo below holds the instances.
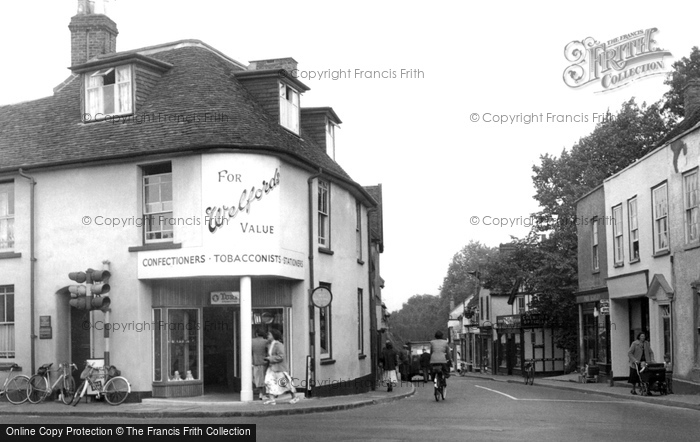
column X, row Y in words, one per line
column 40, row 386
column 15, row 388
column 529, row 372
column 108, row 383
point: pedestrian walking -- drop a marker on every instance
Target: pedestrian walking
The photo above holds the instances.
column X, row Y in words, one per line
column 390, row 360
column 259, row 363
column 277, row 380
column 425, row 365
column 639, row 352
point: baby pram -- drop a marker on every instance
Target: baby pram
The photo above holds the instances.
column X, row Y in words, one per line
column 652, row 377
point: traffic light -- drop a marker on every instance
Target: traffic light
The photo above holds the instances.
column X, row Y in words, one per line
column 89, row 296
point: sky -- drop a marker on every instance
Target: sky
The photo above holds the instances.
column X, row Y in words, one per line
column 449, row 141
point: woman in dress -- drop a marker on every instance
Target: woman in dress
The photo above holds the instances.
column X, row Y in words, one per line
column 277, row 380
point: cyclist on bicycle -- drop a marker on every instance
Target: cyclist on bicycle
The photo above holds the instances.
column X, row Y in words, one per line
column 440, row 355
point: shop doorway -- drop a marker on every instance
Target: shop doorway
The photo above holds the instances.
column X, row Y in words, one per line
column 220, row 352
column 79, row 340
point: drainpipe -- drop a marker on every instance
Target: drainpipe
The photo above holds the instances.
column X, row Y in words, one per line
column 32, row 271
column 312, row 311
column 372, row 306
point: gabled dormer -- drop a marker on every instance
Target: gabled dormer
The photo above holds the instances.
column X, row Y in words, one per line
column 320, row 124
column 117, row 85
column 275, row 88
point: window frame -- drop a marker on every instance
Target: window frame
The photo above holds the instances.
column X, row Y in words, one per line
column 330, row 138
column 93, row 113
column 618, row 236
column 656, row 219
column 148, row 215
column 633, row 227
column 690, row 208
column 595, row 244
column 9, row 217
column 325, row 325
column 9, row 352
column 324, row 214
column 360, row 322
column 289, row 109
column 358, row 231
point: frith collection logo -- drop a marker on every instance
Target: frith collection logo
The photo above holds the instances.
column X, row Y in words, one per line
column 614, row 63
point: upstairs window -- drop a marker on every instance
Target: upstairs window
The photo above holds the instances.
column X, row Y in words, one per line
column 634, row 229
column 7, row 216
column 108, row 92
column 690, row 198
column 358, row 230
column 596, row 250
column 618, row 252
column 324, row 236
column 330, row 139
column 289, row 108
column 660, row 202
column 158, row 203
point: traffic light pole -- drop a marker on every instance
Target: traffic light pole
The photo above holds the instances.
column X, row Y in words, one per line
column 105, row 266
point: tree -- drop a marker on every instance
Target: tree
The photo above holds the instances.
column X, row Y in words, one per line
column 419, row 318
column 683, row 70
column 460, row 283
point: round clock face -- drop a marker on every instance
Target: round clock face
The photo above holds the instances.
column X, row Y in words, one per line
column 267, row 318
column 321, row 297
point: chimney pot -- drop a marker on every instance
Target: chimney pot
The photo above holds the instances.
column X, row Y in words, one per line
column 691, row 97
column 92, row 33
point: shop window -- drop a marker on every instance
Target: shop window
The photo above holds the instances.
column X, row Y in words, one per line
column 158, row 203
column 7, row 216
column 634, row 229
column 691, row 200
column 108, row 92
column 617, row 235
column 183, row 344
column 666, row 324
column 660, row 213
column 7, row 321
column 157, row 346
column 324, row 214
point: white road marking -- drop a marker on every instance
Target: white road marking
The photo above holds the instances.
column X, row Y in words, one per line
column 553, row 400
column 495, row 391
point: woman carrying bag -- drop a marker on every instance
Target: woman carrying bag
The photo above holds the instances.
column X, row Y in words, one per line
column 277, row 380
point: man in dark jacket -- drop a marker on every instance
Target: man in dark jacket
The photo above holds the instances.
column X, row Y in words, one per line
column 425, row 365
column 390, row 360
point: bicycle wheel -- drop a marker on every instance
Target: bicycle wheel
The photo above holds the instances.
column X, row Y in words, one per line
column 17, row 389
column 38, row 389
column 526, row 376
column 68, row 390
column 531, row 378
column 116, row 390
column 79, row 393
column 443, row 390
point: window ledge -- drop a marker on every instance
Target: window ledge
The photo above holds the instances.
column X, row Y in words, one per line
column 327, row 361
column 619, row 264
column 325, row 251
column 663, row 253
column 10, row 255
column 6, row 366
column 595, row 272
column 155, row 246
column 634, row 261
column 361, row 262
column 362, row 356
column 691, row 246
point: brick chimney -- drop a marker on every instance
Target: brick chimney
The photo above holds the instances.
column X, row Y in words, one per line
column 92, row 33
column 289, row 64
column 691, row 97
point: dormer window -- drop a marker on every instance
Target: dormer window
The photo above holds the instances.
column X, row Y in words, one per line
column 108, row 92
column 330, row 139
column 289, row 108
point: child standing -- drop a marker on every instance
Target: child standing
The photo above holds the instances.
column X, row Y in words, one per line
column 669, row 372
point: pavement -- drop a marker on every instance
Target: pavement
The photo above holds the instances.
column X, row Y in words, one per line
column 215, row 405
column 223, row 406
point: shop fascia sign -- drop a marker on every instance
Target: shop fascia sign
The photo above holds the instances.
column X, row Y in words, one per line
column 225, row 298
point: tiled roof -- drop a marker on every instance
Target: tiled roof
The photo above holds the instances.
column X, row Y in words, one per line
column 49, row 131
